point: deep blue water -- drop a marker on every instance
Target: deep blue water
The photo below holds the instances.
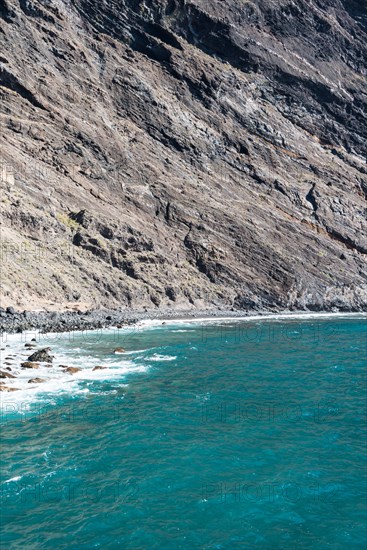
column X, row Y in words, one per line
column 248, row 435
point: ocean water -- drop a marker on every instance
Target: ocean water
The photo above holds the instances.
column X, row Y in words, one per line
column 207, row 435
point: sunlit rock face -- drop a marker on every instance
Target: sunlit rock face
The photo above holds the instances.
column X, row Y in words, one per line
column 183, row 154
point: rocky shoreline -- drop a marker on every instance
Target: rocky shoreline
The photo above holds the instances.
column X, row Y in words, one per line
column 12, row 321
column 19, row 362
column 14, row 370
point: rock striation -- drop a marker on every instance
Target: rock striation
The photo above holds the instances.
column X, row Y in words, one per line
column 183, row 154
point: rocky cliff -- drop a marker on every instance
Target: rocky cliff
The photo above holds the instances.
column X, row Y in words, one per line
column 185, row 154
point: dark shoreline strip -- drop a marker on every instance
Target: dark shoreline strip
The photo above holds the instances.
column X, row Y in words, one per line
column 45, row 321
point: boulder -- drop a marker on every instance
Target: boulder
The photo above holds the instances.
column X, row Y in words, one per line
column 6, row 388
column 41, row 355
column 36, row 380
column 4, row 374
column 98, row 367
column 29, row 365
column 72, row 370
column 119, row 350
column 10, row 310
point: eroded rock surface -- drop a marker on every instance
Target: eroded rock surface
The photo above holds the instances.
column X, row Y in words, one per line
column 4, row 374
column 29, row 365
column 184, row 154
column 42, row 355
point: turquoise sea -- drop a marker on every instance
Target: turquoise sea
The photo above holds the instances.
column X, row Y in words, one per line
column 207, row 435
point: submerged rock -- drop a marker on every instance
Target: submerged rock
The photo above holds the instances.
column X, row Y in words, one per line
column 6, row 388
column 98, row 367
column 72, row 370
column 119, row 350
column 36, row 380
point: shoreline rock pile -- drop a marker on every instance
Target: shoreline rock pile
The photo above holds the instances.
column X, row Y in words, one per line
column 40, row 358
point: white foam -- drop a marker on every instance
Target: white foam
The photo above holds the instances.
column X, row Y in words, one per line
column 153, row 323
column 16, row 478
column 158, row 357
column 136, row 351
column 57, row 381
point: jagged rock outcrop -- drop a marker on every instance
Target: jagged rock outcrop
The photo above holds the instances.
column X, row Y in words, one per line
column 173, row 153
column 42, row 355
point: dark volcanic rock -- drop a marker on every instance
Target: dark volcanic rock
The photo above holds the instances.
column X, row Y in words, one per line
column 216, row 150
column 42, row 355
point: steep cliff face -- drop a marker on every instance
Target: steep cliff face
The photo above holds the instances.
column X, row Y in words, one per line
column 184, row 153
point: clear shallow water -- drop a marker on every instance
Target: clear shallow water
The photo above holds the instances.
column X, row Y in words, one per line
column 230, row 435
